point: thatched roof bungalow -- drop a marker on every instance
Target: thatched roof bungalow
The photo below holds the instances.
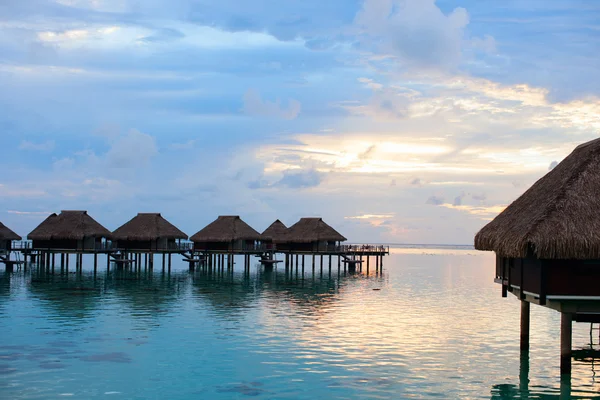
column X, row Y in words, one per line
column 275, row 233
column 69, row 230
column 6, row 238
column 148, row 232
column 547, row 242
column 228, row 233
column 311, row 235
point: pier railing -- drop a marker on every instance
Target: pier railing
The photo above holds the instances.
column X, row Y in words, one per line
column 105, row 247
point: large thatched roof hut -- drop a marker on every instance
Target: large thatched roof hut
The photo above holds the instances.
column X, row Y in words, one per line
column 226, row 233
column 6, row 237
column 312, row 234
column 547, row 242
column 69, row 230
column 148, row 232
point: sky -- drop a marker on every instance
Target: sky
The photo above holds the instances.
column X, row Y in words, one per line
column 397, row 121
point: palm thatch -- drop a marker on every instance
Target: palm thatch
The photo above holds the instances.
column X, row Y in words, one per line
column 557, row 218
column 275, row 232
column 69, row 225
column 148, row 226
column 226, row 228
column 7, row 234
column 309, row 230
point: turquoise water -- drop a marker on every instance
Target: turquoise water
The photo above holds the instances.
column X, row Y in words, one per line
column 432, row 325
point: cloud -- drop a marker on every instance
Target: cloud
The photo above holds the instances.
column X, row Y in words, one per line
column 132, row 149
column 417, row 182
column 255, row 105
column 479, row 197
column 45, row 147
column 417, row 32
column 301, row 179
column 435, row 200
column 458, row 199
column 163, row 35
column 552, row 165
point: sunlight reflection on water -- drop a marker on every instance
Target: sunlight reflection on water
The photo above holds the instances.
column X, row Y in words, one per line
column 433, row 325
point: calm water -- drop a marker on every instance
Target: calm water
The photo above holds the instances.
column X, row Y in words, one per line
column 433, row 325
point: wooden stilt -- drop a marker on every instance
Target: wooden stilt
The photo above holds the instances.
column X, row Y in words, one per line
column 107, row 262
column 95, row 262
column 302, row 266
column 368, row 258
column 330, row 263
column 566, row 334
column 163, row 261
column 169, row 263
column 525, row 309
column 297, row 255
column 314, row 263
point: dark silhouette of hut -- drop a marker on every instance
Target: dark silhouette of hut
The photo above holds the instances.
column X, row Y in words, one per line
column 148, row 232
column 311, row 235
column 274, row 236
column 547, row 243
column 226, row 234
column 6, row 238
column 69, row 230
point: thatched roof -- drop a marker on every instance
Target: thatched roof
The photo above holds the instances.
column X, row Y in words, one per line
column 275, row 232
column 7, row 234
column 558, row 217
column 69, row 225
column 148, row 226
column 226, row 228
column 312, row 230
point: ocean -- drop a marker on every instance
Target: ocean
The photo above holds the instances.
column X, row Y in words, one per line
column 432, row 325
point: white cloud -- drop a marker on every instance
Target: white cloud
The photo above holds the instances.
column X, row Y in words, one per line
column 255, row 105
column 132, row 149
column 46, row 146
column 417, row 32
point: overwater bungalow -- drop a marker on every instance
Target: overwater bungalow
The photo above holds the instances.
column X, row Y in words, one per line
column 148, row 232
column 547, row 245
column 69, row 231
column 274, row 235
column 226, row 234
column 6, row 238
column 311, row 235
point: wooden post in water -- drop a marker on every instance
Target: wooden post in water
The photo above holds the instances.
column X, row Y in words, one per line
column 107, row 262
column 164, row 260
column 330, row 263
column 368, row 264
column 313, row 264
column 302, row 266
column 95, row 262
column 525, row 310
column 297, row 255
column 566, row 334
column 339, row 264
column 53, row 261
column 377, row 264
column 169, row 263
column 67, row 263
column 321, row 266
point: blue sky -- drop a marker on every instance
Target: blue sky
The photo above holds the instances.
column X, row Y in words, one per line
column 408, row 121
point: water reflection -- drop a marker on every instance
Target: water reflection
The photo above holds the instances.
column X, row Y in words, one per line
column 428, row 327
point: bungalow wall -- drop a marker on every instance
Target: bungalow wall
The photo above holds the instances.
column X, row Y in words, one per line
column 5, row 245
column 147, row 245
column 88, row 244
column 550, row 277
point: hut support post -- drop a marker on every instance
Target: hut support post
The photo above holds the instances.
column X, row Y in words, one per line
column 163, row 261
column 95, row 262
column 170, row 263
column 566, row 334
column 321, row 265
column 313, row 264
column 377, row 263
column 339, row 264
column 525, row 310
column 302, row 266
column 368, row 258
column 297, row 262
column 67, row 262
column 151, row 265
column 107, row 262
column 53, row 261
column 330, row 263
